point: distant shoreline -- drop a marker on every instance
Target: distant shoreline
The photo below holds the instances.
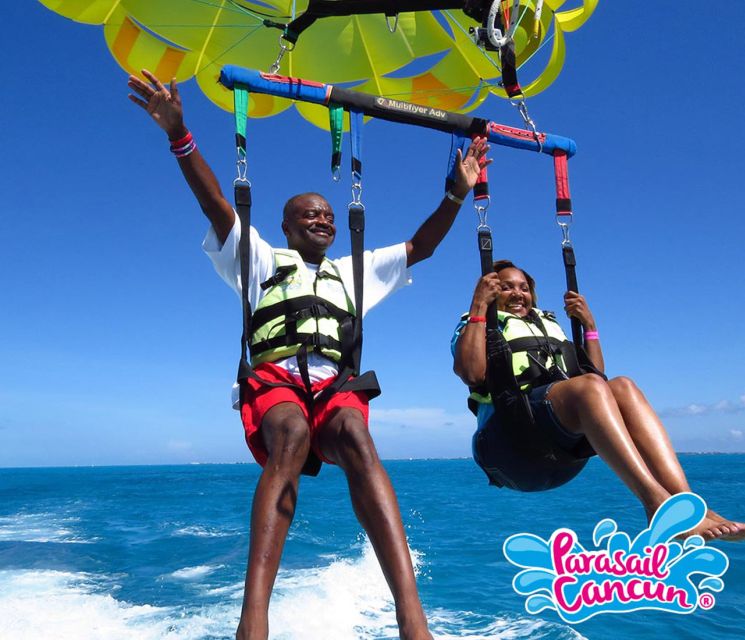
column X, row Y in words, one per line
column 251, row 463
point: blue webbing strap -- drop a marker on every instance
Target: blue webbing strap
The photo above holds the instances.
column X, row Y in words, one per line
column 355, row 135
column 457, row 141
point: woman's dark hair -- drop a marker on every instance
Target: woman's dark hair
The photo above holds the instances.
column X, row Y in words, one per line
column 499, row 265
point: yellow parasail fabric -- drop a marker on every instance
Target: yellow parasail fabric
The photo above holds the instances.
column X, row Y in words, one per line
column 429, row 58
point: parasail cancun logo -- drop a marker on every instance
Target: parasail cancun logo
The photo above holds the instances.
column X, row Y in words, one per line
column 654, row 571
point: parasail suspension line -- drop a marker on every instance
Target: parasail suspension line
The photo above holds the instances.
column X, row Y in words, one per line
column 537, row 18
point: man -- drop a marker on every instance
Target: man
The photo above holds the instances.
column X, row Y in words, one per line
column 282, row 423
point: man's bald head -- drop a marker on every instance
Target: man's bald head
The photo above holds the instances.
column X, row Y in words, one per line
column 298, row 202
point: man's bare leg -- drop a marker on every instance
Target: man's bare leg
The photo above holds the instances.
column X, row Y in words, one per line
column 287, row 439
column 652, row 441
column 346, row 441
column 586, row 405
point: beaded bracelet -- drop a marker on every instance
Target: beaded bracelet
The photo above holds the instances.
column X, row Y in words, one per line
column 183, row 146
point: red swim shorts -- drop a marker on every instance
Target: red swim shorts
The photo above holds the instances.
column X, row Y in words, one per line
column 258, row 399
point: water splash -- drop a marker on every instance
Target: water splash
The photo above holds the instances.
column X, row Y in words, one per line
column 652, row 571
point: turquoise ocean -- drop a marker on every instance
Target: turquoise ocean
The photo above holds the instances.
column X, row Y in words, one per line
column 153, row 552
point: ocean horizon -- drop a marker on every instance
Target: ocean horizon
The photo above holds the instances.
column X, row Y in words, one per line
column 252, row 462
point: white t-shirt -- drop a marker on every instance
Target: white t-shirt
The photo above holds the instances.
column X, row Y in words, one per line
column 385, row 272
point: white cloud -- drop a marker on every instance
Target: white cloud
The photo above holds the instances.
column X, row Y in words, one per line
column 697, row 409
column 178, row 445
column 736, row 434
column 422, row 417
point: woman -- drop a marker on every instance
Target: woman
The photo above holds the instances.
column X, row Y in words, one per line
column 613, row 416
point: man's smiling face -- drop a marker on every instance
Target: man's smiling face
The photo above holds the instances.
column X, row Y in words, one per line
column 309, row 226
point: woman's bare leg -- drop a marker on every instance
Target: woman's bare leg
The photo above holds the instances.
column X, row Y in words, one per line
column 652, row 441
column 587, row 405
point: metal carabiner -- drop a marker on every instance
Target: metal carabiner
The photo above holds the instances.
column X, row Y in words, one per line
column 241, row 166
column 284, row 46
column 564, row 225
column 357, row 194
column 481, row 212
column 392, row 29
column 522, row 108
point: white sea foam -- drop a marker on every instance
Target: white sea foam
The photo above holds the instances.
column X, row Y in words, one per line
column 39, row 527
column 346, row 599
column 70, row 606
column 194, row 573
column 449, row 625
column 203, row 532
column 349, row 599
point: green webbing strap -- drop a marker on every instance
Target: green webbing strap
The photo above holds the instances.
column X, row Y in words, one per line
column 336, row 126
column 240, row 102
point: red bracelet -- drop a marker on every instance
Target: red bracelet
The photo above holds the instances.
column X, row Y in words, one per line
column 183, row 147
column 475, row 319
column 175, row 144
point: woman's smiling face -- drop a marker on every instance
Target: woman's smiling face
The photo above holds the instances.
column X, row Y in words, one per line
column 514, row 292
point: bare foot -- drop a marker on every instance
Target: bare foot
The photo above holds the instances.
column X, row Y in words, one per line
column 735, row 530
column 716, row 528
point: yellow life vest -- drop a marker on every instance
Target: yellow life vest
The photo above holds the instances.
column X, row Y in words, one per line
column 300, row 310
column 536, row 342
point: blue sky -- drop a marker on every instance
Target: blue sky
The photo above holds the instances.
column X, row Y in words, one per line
column 119, row 342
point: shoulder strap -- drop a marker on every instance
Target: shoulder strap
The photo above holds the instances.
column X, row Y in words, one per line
column 351, row 364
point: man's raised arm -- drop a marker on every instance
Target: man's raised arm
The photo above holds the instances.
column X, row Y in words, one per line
column 424, row 242
column 164, row 107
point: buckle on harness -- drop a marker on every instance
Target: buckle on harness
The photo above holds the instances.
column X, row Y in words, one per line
column 279, row 276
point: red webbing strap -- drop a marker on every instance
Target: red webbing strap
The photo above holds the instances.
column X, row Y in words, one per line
column 507, row 57
column 561, row 174
column 481, row 188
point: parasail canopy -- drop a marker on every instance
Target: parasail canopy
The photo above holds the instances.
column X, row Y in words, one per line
column 426, row 57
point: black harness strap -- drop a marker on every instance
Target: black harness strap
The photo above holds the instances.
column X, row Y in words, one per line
column 310, row 341
column 299, row 308
column 513, row 451
column 352, row 358
column 242, row 194
column 570, row 262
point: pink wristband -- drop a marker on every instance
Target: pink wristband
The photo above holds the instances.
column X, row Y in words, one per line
column 592, row 335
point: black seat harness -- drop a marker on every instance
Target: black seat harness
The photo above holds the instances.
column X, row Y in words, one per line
column 512, row 450
column 350, row 346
